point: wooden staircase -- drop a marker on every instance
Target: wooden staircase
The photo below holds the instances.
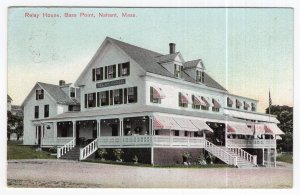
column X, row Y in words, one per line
column 73, row 154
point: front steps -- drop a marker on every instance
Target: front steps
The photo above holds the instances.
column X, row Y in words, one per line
column 242, row 163
column 73, row 154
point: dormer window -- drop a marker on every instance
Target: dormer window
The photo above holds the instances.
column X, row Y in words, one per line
column 199, row 76
column 39, row 94
column 72, row 92
column 177, row 70
column 253, row 107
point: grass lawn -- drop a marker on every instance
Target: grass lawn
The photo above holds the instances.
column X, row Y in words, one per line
column 286, row 157
column 16, row 151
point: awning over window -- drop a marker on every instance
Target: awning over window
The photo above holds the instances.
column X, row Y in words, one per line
column 201, row 125
column 178, row 123
column 274, row 128
column 238, row 102
column 238, row 128
column 251, row 116
column 185, row 124
column 205, row 101
column 158, row 93
column 216, row 104
column 184, row 98
column 165, row 122
column 270, row 128
column 198, row 101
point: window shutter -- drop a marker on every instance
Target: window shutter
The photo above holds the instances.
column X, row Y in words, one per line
column 119, row 70
column 128, row 73
column 125, row 95
column 105, row 72
column 98, row 99
column 36, row 94
column 101, row 73
column 135, row 94
column 115, row 71
column 93, row 72
column 121, row 96
column 111, row 97
column 151, row 94
column 202, row 77
column 175, row 70
column 85, row 100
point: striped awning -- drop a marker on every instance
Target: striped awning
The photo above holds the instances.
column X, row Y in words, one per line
column 198, row 101
column 270, row 128
column 238, row 128
column 216, row 104
column 184, row 98
column 158, row 93
column 206, row 102
column 172, row 122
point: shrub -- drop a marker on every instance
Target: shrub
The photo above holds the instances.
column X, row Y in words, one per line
column 135, row 159
column 53, row 149
column 201, row 159
column 102, row 153
column 186, row 157
column 118, row 154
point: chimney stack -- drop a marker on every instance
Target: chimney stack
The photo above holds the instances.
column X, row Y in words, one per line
column 172, row 48
column 62, row 82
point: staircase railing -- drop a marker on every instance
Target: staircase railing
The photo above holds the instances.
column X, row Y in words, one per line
column 243, row 154
column 88, row 150
column 66, row 148
column 220, row 153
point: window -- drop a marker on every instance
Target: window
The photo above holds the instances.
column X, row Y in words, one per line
column 72, row 92
column 36, row 112
column 111, row 71
column 194, row 105
column 124, row 69
column 118, row 96
column 177, row 70
column 91, row 100
column 183, row 101
column 229, row 102
column 204, row 107
column 199, row 76
column 99, row 74
column 104, row 97
column 176, row 132
column 246, row 105
column 46, row 111
column 154, row 99
column 253, row 108
column 132, row 94
column 39, row 94
column 215, row 108
column 186, row 133
column 237, row 104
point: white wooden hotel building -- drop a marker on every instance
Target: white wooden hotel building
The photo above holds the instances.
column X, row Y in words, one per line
column 130, row 97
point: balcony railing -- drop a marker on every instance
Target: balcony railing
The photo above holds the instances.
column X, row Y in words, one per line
column 251, row 143
column 150, row 141
column 55, row 141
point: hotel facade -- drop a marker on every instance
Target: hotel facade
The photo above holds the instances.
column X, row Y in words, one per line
column 132, row 98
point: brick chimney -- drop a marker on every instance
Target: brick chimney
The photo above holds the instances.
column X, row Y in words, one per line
column 172, row 48
column 62, row 82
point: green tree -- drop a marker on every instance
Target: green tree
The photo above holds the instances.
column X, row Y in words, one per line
column 14, row 125
column 285, row 115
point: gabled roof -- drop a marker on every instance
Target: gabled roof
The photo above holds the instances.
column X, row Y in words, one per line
column 192, row 64
column 58, row 94
column 169, row 57
column 148, row 61
column 55, row 93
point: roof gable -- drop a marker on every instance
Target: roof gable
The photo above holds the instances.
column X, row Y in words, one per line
column 193, row 64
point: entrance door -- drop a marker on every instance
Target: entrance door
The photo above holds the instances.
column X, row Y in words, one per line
column 39, row 135
column 114, row 129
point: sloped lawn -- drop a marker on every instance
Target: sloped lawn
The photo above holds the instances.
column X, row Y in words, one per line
column 16, row 151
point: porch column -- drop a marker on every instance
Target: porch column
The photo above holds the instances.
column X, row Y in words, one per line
column 99, row 127
column 152, row 156
column 204, row 135
column 263, row 156
column 74, row 129
column 55, row 129
column 121, row 127
column 150, row 125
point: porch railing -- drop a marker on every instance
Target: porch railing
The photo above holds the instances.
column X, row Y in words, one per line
column 88, row 150
column 66, row 148
column 149, row 141
column 221, row 153
column 251, row 143
column 57, row 141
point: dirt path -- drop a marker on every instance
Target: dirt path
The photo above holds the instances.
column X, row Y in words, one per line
column 59, row 173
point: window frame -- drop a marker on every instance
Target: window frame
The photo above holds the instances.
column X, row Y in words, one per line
column 46, row 111
column 36, row 112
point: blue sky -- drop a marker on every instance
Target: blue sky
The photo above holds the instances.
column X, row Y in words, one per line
column 248, row 51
